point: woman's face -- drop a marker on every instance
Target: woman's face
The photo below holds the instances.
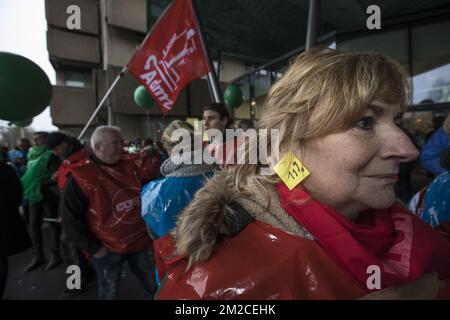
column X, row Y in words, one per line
column 356, row 169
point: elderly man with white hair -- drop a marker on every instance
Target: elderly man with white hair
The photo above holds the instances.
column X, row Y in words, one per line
column 101, row 211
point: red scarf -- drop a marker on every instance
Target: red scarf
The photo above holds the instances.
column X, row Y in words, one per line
column 399, row 243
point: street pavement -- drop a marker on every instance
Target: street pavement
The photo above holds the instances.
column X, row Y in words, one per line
column 51, row 285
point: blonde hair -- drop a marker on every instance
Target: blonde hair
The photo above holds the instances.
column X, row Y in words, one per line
column 166, row 138
column 321, row 93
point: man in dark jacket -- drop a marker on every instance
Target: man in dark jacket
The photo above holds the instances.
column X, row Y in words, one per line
column 70, row 151
column 13, row 233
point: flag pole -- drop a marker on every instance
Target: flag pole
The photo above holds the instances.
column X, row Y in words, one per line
column 213, row 82
column 97, row 110
column 120, row 75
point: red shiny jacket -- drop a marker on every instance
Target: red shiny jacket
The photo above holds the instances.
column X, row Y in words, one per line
column 259, row 262
column 114, row 213
column 68, row 164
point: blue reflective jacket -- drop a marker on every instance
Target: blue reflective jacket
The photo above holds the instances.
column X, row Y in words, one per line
column 437, row 201
column 430, row 155
column 164, row 199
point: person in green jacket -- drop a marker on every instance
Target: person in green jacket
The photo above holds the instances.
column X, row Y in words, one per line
column 38, row 183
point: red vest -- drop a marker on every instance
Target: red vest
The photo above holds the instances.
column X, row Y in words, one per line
column 114, row 213
column 65, row 167
column 260, row 262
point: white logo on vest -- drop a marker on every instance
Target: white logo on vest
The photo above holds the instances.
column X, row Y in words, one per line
column 124, row 203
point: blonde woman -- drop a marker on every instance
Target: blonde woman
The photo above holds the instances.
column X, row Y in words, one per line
column 339, row 233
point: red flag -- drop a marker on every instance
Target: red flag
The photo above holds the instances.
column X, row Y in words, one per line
column 171, row 56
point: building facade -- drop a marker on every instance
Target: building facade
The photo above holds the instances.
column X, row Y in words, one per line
column 87, row 60
column 244, row 37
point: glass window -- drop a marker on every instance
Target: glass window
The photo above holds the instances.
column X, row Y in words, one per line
column 431, row 63
column 78, row 79
column 422, row 124
column 261, row 82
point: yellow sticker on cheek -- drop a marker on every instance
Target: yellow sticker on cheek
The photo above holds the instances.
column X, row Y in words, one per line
column 291, row 170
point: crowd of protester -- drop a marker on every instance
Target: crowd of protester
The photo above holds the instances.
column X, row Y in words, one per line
column 109, row 202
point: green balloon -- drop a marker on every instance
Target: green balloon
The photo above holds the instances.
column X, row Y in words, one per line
column 233, row 96
column 25, row 90
column 23, row 123
column 142, row 98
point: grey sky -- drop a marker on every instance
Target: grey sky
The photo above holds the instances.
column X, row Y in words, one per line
column 23, row 31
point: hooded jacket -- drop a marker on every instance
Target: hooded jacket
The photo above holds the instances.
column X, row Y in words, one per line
column 164, row 199
column 37, row 173
column 13, row 231
column 258, row 251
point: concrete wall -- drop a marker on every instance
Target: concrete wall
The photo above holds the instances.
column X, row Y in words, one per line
column 231, row 69
column 121, row 34
column 128, row 14
column 56, row 13
column 71, row 106
column 122, row 98
column 131, row 125
column 121, row 46
column 72, row 46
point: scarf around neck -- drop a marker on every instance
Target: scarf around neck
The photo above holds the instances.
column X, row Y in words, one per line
column 402, row 246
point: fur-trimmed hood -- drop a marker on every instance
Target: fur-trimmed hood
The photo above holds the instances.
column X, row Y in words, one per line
column 206, row 218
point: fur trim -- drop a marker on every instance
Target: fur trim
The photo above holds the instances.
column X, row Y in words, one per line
column 170, row 169
column 201, row 224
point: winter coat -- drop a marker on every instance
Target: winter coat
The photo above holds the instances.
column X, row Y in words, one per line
column 436, row 211
column 13, row 233
column 431, row 152
column 37, row 173
column 258, row 250
column 164, row 199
